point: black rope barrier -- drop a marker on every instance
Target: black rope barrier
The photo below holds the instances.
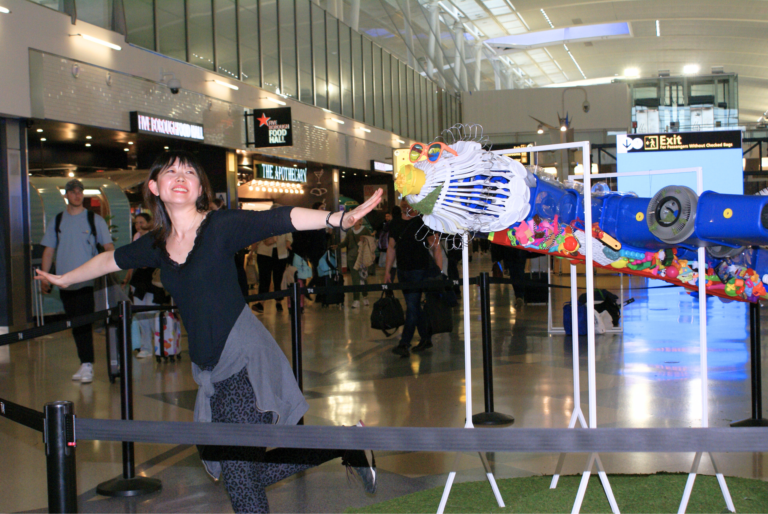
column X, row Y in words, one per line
column 22, row 415
column 519, row 440
column 59, row 326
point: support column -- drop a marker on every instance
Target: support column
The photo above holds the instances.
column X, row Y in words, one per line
column 434, row 29
column 478, row 48
column 409, row 33
column 354, row 16
column 232, row 198
column 458, row 63
column 15, row 274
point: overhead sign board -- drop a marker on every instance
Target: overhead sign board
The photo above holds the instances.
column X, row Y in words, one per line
column 677, row 141
column 381, row 167
column 143, row 123
column 270, row 127
column 520, row 155
column 284, row 173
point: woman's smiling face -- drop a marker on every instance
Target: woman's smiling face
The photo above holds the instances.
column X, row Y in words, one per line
column 177, row 184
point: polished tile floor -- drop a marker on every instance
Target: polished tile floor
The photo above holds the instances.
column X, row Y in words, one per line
column 647, row 376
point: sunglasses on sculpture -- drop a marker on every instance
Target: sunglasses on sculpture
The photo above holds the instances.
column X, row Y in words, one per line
column 432, row 151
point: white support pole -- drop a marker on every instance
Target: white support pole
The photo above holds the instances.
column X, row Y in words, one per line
column 478, row 48
column 354, row 16
column 458, row 38
column 468, row 382
column 409, row 34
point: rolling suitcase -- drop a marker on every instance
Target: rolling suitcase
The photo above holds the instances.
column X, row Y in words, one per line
column 107, row 293
column 167, row 336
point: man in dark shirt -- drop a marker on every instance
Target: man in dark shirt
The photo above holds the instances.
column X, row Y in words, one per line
column 412, row 242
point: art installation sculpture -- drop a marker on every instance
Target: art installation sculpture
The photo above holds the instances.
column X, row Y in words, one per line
column 458, row 185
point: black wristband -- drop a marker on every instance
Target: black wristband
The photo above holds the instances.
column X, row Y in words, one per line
column 341, row 222
column 327, row 221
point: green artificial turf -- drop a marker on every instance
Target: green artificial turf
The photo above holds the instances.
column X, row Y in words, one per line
column 661, row 492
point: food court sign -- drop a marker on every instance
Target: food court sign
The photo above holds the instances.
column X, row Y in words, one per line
column 269, row 127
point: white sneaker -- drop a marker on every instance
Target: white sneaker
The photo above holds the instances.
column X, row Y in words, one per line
column 143, row 354
column 365, row 302
column 356, row 304
column 85, row 373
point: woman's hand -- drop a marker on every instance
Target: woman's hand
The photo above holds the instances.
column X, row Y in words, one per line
column 361, row 210
column 46, row 279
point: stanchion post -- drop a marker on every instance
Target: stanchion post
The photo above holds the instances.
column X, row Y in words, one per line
column 489, row 417
column 296, row 338
column 129, row 484
column 60, row 456
column 757, row 419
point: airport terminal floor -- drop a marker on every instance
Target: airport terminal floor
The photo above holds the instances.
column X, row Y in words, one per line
column 647, row 376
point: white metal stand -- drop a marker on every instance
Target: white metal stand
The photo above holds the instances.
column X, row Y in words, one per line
column 468, row 385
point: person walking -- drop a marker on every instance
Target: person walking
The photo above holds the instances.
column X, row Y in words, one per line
column 144, row 292
column 243, row 375
column 74, row 237
column 412, row 243
column 352, row 243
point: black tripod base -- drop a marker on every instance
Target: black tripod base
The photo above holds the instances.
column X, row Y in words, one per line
column 492, row 419
column 751, row 422
column 137, row 486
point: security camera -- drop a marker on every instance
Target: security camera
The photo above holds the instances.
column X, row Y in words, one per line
column 174, row 85
column 585, row 106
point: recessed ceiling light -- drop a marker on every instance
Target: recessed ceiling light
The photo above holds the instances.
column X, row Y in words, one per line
column 225, row 84
column 87, row 144
column 631, row 72
column 365, row 129
column 98, row 41
column 401, row 141
column 130, row 142
column 126, row 149
column 39, row 130
column 88, row 137
column 5, row 10
column 71, row 173
column 166, row 147
column 43, row 139
column 340, row 122
column 690, row 69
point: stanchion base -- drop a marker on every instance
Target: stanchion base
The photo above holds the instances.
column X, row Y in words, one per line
column 492, row 419
column 137, row 486
column 751, row 422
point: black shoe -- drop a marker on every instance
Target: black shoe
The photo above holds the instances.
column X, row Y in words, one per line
column 279, row 307
column 423, row 345
column 364, row 464
column 401, row 350
column 257, row 307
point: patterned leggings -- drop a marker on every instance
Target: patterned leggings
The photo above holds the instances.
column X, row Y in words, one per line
column 249, row 470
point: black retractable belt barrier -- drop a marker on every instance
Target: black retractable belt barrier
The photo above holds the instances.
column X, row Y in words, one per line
column 489, row 417
column 757, row 419
column 59, row 436
column 129, row 484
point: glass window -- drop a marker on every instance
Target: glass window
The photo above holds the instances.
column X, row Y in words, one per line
column 395, row 64
column 288, row 49
column 304, row 40
column 425, row 100
column 368, row 80
column 248, row 31
column 406, row 113
column 386, row 62
column 269, row 57
column 226, row 37
column 140, row 19
column 334, row 68
column 171, row 29
column 345, row 61
column 200, row 26
column 95, row 12
column 378, row 84
column 320, row 54
column 358, row 84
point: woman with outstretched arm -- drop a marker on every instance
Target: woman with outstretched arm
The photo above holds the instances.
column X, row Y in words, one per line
column 243, row 375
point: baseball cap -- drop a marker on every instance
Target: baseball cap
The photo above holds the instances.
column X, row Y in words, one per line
column 72, row 184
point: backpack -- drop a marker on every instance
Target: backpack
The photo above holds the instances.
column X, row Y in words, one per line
column 91, row 222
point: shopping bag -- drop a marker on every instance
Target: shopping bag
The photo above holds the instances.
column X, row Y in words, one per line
column 387, row 314
column 437, row 310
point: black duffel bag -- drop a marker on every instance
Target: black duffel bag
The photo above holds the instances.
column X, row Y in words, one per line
column 387, row 314
column 437, row 310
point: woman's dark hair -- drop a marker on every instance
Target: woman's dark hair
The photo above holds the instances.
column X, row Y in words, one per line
column 146, row 217
column 162, row 222
column 396, row 212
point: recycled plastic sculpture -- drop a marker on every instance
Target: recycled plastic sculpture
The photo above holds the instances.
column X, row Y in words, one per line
column 461, row 186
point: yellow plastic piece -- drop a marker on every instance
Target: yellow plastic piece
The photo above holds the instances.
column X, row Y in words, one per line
column 640, row 216
column 409, row 180
column 727, row 213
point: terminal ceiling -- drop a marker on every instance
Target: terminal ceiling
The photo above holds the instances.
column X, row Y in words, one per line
column 730, row 34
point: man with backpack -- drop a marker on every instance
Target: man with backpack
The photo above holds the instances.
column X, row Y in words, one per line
column 74, row 236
